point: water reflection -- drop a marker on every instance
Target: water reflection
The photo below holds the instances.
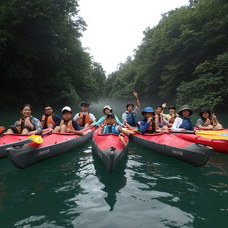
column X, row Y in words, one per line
column 112, row 182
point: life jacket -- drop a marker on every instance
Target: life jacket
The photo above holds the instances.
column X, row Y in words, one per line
column 186, row 124
column 110, row 129
column 131, row 118
column 105, row 122
column 69, row 124
column 46, row 120
column 83, row 119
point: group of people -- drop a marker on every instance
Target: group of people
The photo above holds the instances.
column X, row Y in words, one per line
column 152, row 121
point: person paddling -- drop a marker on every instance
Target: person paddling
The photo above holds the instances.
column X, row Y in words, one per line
column 149, row 122
column 182, row 122
column 207, row 120
column 49, row 118
column 27, row 124
column 67, row 125
column 84, row 118
column 129, row 116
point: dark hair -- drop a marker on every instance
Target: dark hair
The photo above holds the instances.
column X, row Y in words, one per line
column 129, row 105
column 159, row 106
column 171, row 107
column 25, row 105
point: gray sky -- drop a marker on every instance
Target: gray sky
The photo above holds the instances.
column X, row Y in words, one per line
column 115, row 27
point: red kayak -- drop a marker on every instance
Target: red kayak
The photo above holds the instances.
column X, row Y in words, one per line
column 52, row 145
column 109, row 147
column 171, row 145
column 7, row 141
column 217, row 144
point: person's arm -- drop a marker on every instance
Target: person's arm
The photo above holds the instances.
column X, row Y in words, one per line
column 178, row 121
column 76, row 117
column 92, row 117
column 118, row 121
column 56, row 118
column 124, row 117
column 101, row 120
column 38, row 126
column 143, row 126
column 76, row 129
column 137, row 102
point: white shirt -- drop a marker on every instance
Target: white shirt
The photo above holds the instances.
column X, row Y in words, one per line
column 176, row 125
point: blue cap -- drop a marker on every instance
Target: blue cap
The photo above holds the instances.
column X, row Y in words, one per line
column 147, row 109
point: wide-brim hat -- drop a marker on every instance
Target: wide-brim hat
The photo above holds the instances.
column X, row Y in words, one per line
column 185, row 107
column 147, row 109
column 204, row 110
column 107, row 107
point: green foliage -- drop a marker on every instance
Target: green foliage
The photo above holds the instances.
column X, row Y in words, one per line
column 41, row 57
column 178, row 55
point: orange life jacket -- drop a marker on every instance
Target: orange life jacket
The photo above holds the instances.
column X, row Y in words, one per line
column 46, row 120
column 69, row 124
column 83, row 119
column 106, row 122
column 21, row 124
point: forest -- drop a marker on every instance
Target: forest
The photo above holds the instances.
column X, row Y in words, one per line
column 41, row 57
column 184, row 59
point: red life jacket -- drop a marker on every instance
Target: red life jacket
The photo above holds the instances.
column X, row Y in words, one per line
column 46, row 120
column 83, row 119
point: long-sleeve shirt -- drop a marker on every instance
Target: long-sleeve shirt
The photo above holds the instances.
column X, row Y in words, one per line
column 102, row 119
column 35, row 122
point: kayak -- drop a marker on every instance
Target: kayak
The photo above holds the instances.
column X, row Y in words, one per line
column 53, row 144
column 173, row 146
column 218, row 145
column 109, row 147
column 7, row 141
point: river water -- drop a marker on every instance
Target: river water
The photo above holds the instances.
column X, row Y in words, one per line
column 146, row 190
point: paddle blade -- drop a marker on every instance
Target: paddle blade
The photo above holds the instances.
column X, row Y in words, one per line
column 223, row 135
column 36, row 138
column 2, row 129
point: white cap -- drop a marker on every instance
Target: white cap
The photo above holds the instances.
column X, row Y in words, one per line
column 67, row 108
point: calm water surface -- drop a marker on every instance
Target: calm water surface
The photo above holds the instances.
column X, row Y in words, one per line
column 146, row 190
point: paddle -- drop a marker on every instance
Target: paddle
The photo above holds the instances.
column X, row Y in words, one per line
column 36, row 139
column 222, row 135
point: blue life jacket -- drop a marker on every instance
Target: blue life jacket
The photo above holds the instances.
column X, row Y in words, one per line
column 131, row 118
column 186, row 124
column 110, row 129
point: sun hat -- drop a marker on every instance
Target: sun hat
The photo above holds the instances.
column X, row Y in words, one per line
column 107, row 107
column 184, row 107
column 147, row 109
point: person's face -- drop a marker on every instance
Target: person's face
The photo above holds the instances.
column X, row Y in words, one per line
column 172, row 111
column 158, row 110
column 130, row 108
column 110, row 120
column 84, row 108
column 66, row 115
column 149, row 114
column 48, row 110
column 205, row 115
column 185, row 113
column 107, row 111
column 26, row 112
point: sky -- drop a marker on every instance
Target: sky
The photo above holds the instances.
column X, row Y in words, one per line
column 115, row 27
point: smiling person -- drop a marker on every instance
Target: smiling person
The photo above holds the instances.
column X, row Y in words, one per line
column 27, row 124
column 49, row 118
column 207, row 120
column 182, row 122
column 84, row 118
column 66, row 124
